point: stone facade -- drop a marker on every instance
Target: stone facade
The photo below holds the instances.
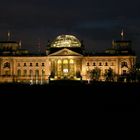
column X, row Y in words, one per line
column 63, row 63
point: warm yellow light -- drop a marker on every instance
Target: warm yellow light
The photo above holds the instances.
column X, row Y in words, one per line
column 71, row 61
column 65, row 61
column 66, row 41
column 59, row 61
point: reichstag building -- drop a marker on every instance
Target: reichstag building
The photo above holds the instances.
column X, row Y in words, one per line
column 65, row 58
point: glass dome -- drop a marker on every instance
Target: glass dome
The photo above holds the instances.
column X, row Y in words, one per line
column 65, row 41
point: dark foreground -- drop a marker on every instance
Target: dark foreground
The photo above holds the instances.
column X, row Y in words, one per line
column 106, row 96
column 69, row 103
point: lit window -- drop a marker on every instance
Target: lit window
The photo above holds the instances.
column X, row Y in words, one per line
column 71, row 61
column 65, row 70
column 65, row 61
column 59, row 61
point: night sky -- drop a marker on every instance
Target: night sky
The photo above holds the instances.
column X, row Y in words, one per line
column 96, row 22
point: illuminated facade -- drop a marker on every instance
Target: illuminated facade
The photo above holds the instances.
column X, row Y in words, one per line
column 65, row 58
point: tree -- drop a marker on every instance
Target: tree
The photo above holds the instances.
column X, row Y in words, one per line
column 95, row 74
column 109, row 75
column 78, row 74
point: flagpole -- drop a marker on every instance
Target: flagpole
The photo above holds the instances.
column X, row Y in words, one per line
column 9, row 35
column 20, row 44
column 122, row 35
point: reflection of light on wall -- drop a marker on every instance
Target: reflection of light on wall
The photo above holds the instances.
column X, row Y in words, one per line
column 71, row 61
column 59, row 62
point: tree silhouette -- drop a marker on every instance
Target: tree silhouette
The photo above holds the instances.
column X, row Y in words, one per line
column 109, row 75
column 95, row 74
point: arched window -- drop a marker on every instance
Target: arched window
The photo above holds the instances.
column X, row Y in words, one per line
column 100, row 64
column 24, row 64
column 124, row 64
column 6, row 65
column 65, row 61
column 59, row 61
column 71, row 61
column 94, row 64
column 106, row 64
column 31, row 64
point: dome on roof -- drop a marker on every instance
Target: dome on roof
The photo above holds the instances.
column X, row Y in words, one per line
column 63, row 41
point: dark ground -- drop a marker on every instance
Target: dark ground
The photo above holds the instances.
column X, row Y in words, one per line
column 69, row 100
column 69, row 92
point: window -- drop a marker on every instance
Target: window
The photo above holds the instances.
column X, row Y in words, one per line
column 106, row 64
column 87, row 63
column 43, row 64
column 18, row 72
column 123, row 64
column 71, row 61
column 100, row 64
column 31, row 64
column 124, row 72
column 24, row 64
column 37, row 64
column 7, row 65
column 94, row 64
column 59, row 61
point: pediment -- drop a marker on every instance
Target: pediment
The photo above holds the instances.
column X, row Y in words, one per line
column 65, row 52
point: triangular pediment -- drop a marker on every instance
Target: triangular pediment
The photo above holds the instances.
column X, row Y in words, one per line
column 65, row 52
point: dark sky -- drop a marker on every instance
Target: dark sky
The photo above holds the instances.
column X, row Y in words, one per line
column 96, row 22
